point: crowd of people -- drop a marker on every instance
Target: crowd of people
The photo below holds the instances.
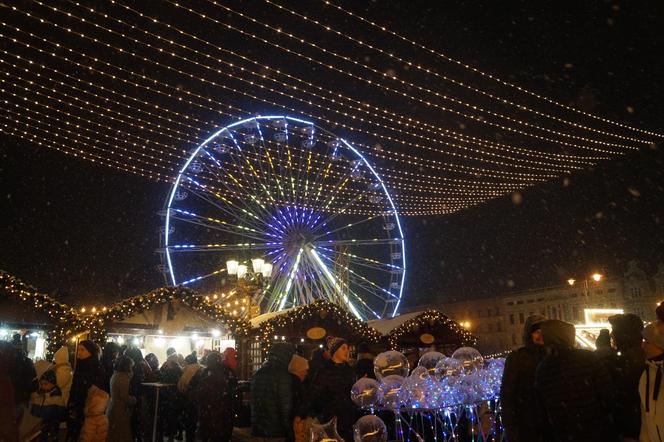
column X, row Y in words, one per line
column 552, row 391
column 104, row 396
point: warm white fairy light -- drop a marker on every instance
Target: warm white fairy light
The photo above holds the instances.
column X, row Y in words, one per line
column 431, row 71
column 490, row 76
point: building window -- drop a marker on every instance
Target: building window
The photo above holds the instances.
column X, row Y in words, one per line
column 510, row 303
column 521, row 320
column 511, row 319
column 575, row 312
column 636, row 292
column 519, row 302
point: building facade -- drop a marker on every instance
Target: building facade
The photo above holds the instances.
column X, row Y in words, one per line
column 498, row 321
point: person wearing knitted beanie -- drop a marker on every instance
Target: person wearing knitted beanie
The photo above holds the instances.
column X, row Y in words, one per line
column 330, row 390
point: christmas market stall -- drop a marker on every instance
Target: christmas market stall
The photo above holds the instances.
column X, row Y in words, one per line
column 305, row 326
column 31, row 319
column 418, row 332
column 167, row 317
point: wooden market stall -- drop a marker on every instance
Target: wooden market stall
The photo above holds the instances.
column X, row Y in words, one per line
column 305, row 326
column 167, row 317
column 35, row 317
column 417, row 332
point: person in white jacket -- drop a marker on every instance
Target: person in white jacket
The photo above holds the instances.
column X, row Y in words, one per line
column 62, row 369
column 651, row 388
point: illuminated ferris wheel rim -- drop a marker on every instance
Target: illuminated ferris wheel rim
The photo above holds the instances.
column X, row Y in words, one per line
column 194, row 153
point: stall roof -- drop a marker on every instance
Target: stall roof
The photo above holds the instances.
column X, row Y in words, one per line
column 258, row 320
column 384, row 326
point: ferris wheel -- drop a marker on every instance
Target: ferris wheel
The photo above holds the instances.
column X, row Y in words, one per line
column 302, row 203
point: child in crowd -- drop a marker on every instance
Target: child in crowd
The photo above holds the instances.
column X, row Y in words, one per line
column 48, row 405
column 95, row 426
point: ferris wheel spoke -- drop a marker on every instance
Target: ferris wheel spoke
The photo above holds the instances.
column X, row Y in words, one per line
column 254, row 173
column 210, row 225
column 185, row 215
column 200, row 278
column 241, row 188
column 346, row 226
column 283, row 296
column 366, row 262
column 270, row 161
column 357, row 242
column 221, row 247
column 228, row 204
column 362, row 278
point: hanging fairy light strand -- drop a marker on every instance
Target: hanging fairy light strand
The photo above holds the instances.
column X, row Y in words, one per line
column 445, row 57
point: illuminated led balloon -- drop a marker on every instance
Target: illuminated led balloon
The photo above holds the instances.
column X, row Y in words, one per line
column 471, row 359
column 391, row 388
column 365, row 393
column 369, row 429
column 448, row 367
column 391, row 363
column 429, row 361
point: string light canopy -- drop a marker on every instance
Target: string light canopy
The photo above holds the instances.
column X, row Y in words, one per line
column 135, row 87
column 61, row 315
column 430, row 327
column 312, row 323
column 96, row 324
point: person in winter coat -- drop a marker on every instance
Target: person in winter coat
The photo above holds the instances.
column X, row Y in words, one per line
column 651, row 387
column 299, row 368
column 214, row 402
column 573, row 389
column 108, row 356
column 229, row 359
column 318, row 357
column 95, row 426
column 122, row 403
column 49, row 406
column 169, row 409
column 63, row 372
column 272, row 394
column 153, row 362
column 521, row 419
column 330, row 389
column 86, row 374
column 187, row 385
column 364, row 366
column 625, row 367
column 8, row 414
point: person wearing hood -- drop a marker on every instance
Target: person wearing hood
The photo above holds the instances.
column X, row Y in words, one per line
column 651, row 388
column 169, row 410
column 122, row 402
column 108, row 356
column 573, row 389
column 625, row 367
column 522, row 421
column 272, row 394
column 63, row 372
column 95, row 426
column 330, row 389
column 365, row 359
column 214, row 402
column 299, row 369
column 48, row 405
column 187, row 385
column 87, row 373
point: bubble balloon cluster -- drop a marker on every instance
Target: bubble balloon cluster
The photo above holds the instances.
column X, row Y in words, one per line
column 370, row 428
column 438, row 382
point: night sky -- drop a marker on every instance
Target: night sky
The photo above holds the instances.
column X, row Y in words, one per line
column 89, row 233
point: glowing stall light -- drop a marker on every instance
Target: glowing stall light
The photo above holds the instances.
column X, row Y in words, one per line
column 216, row 333
column 266, row 270
column 257, row 264
column 334, row 282
column 289, row 284
column 241, row 271
column 396, row 217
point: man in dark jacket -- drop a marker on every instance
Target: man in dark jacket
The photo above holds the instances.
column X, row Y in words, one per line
column 574, row 389
column 331, row 389
column 365, row 359
column 272, row 394
column 521, row 418
column 215, row 402
column 625, row 367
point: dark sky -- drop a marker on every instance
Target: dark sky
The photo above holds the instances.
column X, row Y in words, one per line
column 87, row 231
